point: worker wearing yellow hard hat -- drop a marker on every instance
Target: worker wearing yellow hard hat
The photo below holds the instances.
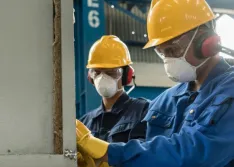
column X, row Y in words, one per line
column 190, row 124
column 118, row 118
column 109, row 52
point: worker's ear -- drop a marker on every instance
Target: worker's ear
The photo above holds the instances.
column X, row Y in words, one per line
column 90, row 79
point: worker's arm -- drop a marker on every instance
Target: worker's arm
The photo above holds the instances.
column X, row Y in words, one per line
column 209, row 141
column 91, row 145
column 85, row 159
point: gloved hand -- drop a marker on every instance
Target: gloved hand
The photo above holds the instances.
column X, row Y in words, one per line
column 93, row 146
column 84, row 160
column 105, row 164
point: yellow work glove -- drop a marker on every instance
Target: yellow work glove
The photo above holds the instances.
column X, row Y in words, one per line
column 84, row 160
column 104, row 164
column 93, row 146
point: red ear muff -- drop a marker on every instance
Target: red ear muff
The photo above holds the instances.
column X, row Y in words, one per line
column 207, row 45
column 210, row 46
column 128, row 74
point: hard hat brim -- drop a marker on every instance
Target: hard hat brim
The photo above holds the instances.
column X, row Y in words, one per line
column 156, row 42
column 106, row 65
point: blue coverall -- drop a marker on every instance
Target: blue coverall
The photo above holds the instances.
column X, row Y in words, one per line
column 186, row 128
column 122, row 123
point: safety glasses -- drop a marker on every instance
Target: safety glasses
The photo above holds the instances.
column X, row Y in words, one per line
column 115, row 73
column 174, row 48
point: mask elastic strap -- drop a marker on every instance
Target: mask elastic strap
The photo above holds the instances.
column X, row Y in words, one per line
column 190, row 43
column 117, row 80
column 202, row 63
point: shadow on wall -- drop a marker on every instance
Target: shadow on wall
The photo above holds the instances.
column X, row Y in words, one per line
column 146, row 92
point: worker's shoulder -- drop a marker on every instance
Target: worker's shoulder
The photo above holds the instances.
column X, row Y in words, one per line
column 89, row 115
column 225, row 83
column 140, row 100
column 229, row 75
column 139, row 103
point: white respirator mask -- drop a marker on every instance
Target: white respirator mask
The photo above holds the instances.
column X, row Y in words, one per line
column 106, row 86
column 178, row 69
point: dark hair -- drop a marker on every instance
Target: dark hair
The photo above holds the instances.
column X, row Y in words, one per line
column 209, row 26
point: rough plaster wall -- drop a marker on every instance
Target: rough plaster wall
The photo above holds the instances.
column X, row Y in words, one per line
column 57, row 80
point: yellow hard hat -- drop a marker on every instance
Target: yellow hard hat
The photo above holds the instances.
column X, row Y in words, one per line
column 168, row 19
column 108, row 52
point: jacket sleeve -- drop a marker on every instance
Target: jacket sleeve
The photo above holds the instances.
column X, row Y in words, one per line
column 198, row 144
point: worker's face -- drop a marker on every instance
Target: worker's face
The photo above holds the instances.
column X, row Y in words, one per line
column 176, row 48
column 179, row 57
column 107, row 81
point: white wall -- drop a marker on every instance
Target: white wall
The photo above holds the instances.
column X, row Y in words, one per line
column 26, row 37
column 151, row 75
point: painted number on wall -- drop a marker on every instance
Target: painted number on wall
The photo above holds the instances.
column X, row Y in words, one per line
column 93, row 16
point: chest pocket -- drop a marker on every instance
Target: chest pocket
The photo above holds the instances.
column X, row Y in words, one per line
column 120, row 132
column 215, row 111
column 158, row 124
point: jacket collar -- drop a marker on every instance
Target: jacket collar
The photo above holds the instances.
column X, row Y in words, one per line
column 119, row 105
column 221, row 67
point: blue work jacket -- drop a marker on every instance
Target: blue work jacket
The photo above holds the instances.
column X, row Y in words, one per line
column 122, row 123
column 186, row 128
